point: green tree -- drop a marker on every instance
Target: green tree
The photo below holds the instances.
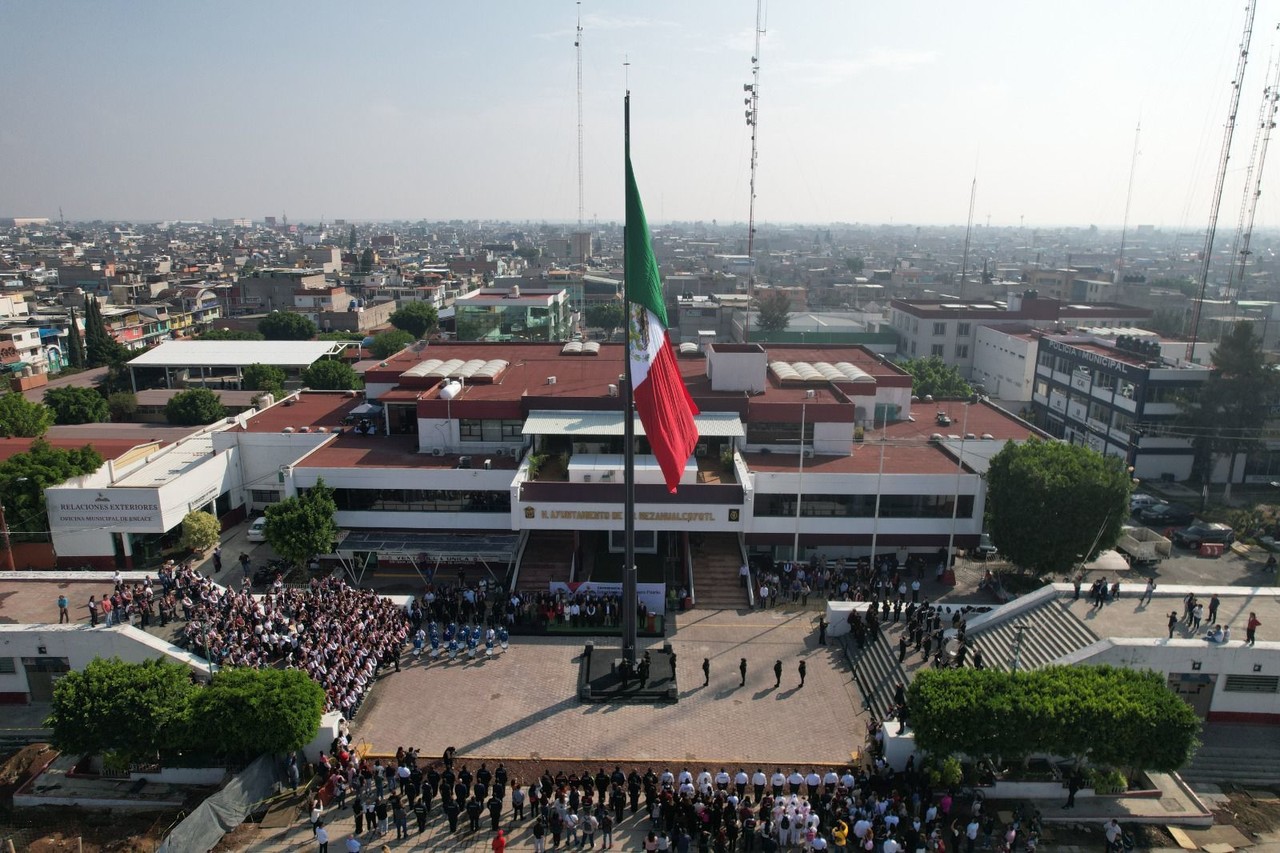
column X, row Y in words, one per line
column 853, row 265
column 1051, row 504
column 72, row 404
column 773, row 311
column 606, row 315
column 340, row 336
column 137, row 710
column 25, row 476
column 194, row 407
column 351, row 240
column 122, row 405
column 1106, row 715
column 1227, row 413
column 262, row 377
column 417, row 318
column 230, row 335
column 330, row 375
column 301, row 527
column 930, row 375
column 75, row 341
column 366, row 260
column 275, row 710
column 20, row 418
column 100, row 347
column 200, row 530
column 286, row 326
column 386, row 344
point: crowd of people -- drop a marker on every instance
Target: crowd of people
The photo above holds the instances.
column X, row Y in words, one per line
column 842, row 579
column 704, row 809
column 340, row 635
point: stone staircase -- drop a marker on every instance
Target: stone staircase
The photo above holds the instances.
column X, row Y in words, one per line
column 1051, row 633
column 876, row 670
column 716, row 561
column 1237, row 754
column 547, row 557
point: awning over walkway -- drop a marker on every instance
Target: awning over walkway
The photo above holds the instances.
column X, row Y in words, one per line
column 436, row 547
column 575, row 423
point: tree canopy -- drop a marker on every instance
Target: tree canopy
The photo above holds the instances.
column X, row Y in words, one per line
column 194, row 407
column 386, row 344
column 200, row 530
column 100, row 347
column 122, row 405
column 930, row 375
column 25, row 476
column 275, row 710
column 262, row 377
column 73, row 404
column 21, row 418
column 1107, row 715
column 230, row 335
column 416, row 318
column 1227, row 413
column 286, row 326
column 75, row 342
column 300, row 527
column 606, row 315
column 773, row 311
column 1051, row 504
column 143, row 710
column 135, row 709
column 330, row 375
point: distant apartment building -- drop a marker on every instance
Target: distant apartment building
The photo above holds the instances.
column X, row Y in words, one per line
column 273, row 289
column 513, row 314
column 948, row 330
column 1121, row 398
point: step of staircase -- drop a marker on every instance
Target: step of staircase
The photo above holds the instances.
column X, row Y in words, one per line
column 716, row 561
column 1051, row 633
column 1237, row 754
column 548, row 556
column 876, row 670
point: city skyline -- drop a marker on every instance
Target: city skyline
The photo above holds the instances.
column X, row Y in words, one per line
column 445, row 111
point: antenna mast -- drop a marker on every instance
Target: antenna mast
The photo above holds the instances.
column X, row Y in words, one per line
column 968, row 231
column 1128, row 198
column 1223, row 157
column 1257, row 161
column 577, row 46
column 752, row 102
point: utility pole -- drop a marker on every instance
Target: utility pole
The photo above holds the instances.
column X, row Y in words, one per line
column 968, row 232
column 1207, row 255
column 577, row 45
column 1128, row 198
column 752, row 102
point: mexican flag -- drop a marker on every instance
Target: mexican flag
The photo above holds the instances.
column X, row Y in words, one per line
column 662, row 401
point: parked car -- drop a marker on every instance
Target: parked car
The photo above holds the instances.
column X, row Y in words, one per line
column 1140, row 501
column 986, row 548
column 1202, row 531
column 258, row 530
column 1167, row 515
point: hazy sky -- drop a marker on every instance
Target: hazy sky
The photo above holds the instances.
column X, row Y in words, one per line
column 870, row 112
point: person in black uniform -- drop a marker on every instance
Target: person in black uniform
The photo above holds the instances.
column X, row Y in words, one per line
column 473, row 813
column 706, row 671
column 451, row 811
column 742, row 669
column 802, row 672
column 777, row 673
column 495, row 812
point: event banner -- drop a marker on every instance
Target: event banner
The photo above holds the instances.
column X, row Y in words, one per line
column 652, row 595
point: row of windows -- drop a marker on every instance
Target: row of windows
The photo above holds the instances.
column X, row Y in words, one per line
column 938, row 350
column 778, row 433
column 863, row 506
column 470, row 429
column 421, row 500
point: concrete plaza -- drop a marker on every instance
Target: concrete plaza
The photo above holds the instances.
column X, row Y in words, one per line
column 522, row 703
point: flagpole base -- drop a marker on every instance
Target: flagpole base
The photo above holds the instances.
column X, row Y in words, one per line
column 603, row 678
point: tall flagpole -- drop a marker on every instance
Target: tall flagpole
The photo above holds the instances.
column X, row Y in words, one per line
column 628, row 436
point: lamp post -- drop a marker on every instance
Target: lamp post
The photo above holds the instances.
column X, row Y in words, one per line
column 955, row 503
column 8, row 547
column 875, row 520
column 795, row 545
column 1020, row 628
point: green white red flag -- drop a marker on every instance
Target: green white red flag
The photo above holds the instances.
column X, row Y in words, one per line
column 663, row 402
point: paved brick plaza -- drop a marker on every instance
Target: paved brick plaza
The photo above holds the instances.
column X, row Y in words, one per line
column 522, row 703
